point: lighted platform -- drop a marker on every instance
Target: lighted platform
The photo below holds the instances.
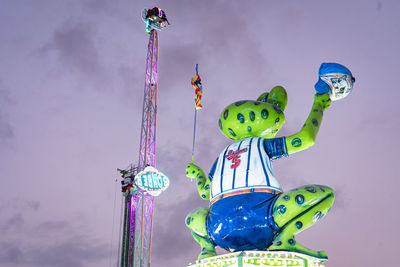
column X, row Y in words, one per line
column 260, row 258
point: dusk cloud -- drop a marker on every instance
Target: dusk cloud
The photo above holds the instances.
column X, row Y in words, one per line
column 6, row 130
column 74, row 44
column 27, row 242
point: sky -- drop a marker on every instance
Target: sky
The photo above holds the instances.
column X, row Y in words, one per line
column 71, row 94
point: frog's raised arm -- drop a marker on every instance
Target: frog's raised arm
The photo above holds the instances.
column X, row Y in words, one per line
column 203, row 182
column 305, row 138
column 335, row 82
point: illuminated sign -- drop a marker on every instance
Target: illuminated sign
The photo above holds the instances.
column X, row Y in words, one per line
column 152, row 181
column 260, row 258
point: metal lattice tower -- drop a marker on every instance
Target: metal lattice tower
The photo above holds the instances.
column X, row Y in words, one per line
column 138, row 212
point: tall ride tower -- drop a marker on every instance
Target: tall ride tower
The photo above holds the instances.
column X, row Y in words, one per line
column 143, row 181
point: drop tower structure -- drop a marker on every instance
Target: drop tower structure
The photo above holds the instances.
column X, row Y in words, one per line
column 142, row 182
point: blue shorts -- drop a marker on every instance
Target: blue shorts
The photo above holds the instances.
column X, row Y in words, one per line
column 243, row 222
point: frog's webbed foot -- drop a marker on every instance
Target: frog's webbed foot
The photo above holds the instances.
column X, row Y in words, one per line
column 288, row 243
column 207, row 247
column 297, row 210
column 196, row 222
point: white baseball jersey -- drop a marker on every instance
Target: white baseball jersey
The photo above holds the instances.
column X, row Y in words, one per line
column 246, row 165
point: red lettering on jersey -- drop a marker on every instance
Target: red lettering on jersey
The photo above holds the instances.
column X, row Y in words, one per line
column 234, row 155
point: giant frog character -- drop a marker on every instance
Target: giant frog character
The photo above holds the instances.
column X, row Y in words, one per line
column 248, row 209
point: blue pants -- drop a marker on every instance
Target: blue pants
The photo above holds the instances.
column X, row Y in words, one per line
column 243, row 222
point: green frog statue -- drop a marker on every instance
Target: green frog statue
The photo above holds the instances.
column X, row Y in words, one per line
column 248, row 209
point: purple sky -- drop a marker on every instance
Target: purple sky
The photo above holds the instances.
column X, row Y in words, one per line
column 71, row 90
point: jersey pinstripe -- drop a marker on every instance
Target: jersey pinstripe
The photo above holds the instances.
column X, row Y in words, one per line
column 243, row 165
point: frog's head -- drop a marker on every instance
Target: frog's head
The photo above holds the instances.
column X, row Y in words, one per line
column 261, row 118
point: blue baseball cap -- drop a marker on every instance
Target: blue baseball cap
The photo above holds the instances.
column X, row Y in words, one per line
column 330, row 68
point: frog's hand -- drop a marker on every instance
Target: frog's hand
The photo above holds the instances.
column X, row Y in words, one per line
column 307, row 135
column 203, row 182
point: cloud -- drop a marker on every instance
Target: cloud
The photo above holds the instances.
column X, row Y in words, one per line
column 50, row 226
column 379, row 6
column 176, row 64
column 43, row 242
column 16, row 221
column 96, row 6
column 6, row 129
column 171, row 234
column 10, row 253
column 19, row 204
column 117, row 10
column 73, row 252
column 131, row 83
column 75, row 47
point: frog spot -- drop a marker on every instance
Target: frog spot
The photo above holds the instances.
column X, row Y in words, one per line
column 207, row 187
column 299, row 199
column 231, row 132
column 296, row 142
column 286, row 197
column 240, row 117
column 299, row 225
column 311, row 189
column 203, row 196
column 220, row 124
column 281, row 209
column 314, row 122
column 264, row 113
column 277, row 120
column 226, row 113
column 188, row 220
column 291, row 241
column 252, row 115
column 256, row 103
column 239, row 103
column 249, row 129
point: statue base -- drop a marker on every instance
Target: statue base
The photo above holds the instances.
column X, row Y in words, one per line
column 260, row 258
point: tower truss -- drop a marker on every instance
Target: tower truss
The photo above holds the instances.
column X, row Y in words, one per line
column 139, row 204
